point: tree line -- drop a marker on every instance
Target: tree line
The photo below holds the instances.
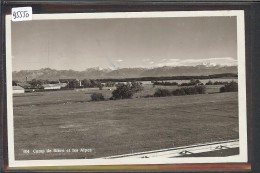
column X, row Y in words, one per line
column 213, row 76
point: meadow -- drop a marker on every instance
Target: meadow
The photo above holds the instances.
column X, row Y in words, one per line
column 69, row 120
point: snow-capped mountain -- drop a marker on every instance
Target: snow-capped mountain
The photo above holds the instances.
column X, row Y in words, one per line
column 99, row 73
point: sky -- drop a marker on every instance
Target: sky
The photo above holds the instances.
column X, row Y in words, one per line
column 123, row 43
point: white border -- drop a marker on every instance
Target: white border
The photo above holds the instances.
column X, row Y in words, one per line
column 242, row 157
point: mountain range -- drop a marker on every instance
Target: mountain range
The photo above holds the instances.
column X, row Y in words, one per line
column 98, row 73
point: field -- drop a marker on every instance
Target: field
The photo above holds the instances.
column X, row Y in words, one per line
column 66, row 120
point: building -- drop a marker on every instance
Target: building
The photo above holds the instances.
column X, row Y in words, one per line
column 67, row 81
column 51, row 86
column 18, row 90
column 63, row 85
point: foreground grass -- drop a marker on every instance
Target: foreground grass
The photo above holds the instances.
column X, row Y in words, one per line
column 121, row 126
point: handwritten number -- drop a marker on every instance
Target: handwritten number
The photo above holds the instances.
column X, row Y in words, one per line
column 20, row 14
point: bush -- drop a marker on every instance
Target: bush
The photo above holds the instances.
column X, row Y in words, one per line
column 190, row 90
column 230, row 87
column 179, row 92
column 186, row 84
column 97, row 97
column 148, row 95
column 162, row 93
column 200, row 89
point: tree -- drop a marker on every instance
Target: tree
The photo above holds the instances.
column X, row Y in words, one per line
column 126, row 91
column 194, row 82
column 36, row 83
column 73, row 84
column 123, row 91
column 100, row 86
column 137, row 86
column 230, row 87
column 209, row 82
column 86, row 83
column 14, row 83
column 94, row 83
column 54, row 82
column 110, row 84
column 97, row 97
column 179, row 92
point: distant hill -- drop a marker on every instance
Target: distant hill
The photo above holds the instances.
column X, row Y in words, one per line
column 97, row 73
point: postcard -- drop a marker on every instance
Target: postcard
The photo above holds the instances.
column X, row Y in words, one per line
column 115, row 88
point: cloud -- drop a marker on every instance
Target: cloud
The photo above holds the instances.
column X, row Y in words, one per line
column 224, row 61
column 119, row 60
column 163, row 60
column 174, row 60
column 146, row 60
column 151, row 62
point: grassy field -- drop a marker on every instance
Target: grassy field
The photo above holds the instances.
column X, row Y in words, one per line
column 69, row 120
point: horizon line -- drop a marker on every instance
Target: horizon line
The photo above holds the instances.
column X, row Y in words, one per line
column 118, row 68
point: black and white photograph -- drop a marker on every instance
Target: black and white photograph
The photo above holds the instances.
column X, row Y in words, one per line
column 126, row 88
